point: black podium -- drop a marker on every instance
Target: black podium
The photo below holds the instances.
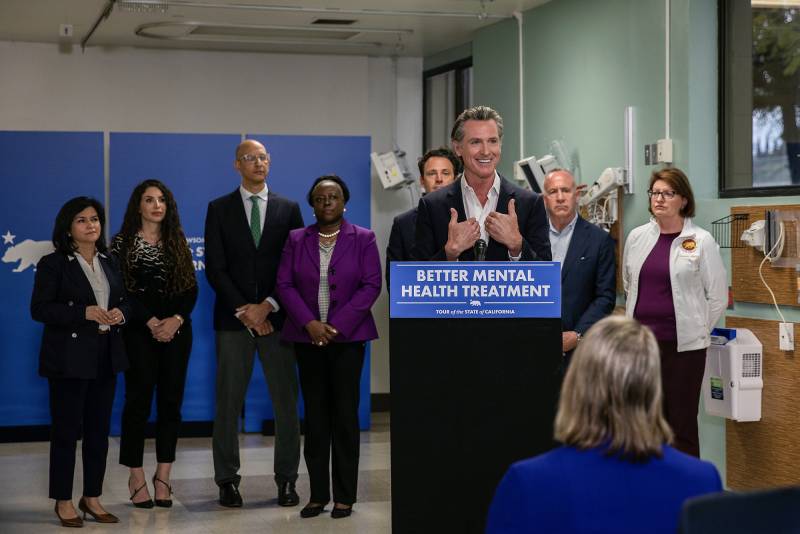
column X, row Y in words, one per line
column 469, row 396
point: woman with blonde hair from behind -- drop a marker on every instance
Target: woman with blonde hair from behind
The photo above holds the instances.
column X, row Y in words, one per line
column 616, row 470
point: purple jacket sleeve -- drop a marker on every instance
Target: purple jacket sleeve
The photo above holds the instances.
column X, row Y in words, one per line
column 290, row 298
column 350, row 316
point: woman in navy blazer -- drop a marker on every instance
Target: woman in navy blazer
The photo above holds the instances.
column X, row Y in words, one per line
column 328, row 279
column 79, row 296
column 616, row 472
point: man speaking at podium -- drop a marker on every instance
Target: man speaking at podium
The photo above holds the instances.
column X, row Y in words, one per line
column 481, row 216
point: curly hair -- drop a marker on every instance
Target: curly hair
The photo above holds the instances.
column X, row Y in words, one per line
column 177, row 254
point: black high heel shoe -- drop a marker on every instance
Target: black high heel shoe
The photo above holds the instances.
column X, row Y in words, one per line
column 74, row 522
column 163, row 503
column 100, row 518
column 144, row 504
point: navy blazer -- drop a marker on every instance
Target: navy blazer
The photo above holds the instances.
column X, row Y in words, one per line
column 240, row 272
column 588, row 277
column 433, row 217
column 401, row 239
column 70, row 342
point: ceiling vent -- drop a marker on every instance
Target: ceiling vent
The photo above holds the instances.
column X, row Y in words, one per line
column 335, row 22
column 265, row 32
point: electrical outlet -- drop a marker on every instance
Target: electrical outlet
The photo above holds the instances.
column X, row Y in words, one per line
column 65, row 31
column 786, row 336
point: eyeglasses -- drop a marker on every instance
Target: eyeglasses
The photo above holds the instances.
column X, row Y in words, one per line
column 250, row 158
column 666, row 195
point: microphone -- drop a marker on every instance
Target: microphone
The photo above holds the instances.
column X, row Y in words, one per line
column 479, row 248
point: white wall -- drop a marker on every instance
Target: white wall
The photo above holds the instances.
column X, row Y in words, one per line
column 147, row 90
column 400, row 126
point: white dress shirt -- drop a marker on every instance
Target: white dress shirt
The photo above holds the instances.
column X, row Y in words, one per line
column 98, row 281
column 473, row 207
column 261, row 197
column 559, row 241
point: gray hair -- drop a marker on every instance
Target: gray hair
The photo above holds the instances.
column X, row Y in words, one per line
column 476, row 113
column 612, row 392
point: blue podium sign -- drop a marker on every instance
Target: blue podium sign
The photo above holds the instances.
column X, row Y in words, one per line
column 491, row 289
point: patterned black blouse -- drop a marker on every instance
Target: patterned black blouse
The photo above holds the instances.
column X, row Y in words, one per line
column 146, row 280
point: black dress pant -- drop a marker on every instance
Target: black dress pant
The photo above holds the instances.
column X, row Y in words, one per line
column 330, row 377
column 81, row 407
column 154, row 367
column 681, row 379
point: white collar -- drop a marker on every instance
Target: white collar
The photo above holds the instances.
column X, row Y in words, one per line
column 74, row 255
column 568, row 227
column 247, row 194
column 495, row 184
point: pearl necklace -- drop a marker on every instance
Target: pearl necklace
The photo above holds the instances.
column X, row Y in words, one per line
column 328, row 236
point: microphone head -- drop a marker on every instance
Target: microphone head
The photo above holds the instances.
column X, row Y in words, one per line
column 479, row 249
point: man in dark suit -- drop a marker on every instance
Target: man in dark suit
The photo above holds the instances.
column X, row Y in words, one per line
column 244, row 237
column 437, row 168
column 481, row 205
column 588, row 262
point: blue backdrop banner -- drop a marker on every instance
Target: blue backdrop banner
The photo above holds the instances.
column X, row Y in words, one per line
column 475, row 289
column 39, row 172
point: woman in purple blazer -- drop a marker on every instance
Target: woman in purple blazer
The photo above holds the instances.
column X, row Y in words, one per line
column 328, row 279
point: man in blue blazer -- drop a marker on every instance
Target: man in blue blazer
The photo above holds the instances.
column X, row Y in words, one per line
column 588, row 261
column 480, row 205
column 437, row 169
column 244, row 236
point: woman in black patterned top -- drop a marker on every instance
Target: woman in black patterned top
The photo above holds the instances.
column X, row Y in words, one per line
column 159, row 276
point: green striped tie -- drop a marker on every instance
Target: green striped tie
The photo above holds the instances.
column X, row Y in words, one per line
column 255, row 220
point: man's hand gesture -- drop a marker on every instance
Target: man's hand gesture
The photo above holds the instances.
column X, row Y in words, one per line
column 460, row 235
column 504, row 229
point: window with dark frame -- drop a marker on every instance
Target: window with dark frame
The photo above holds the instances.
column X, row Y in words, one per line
column 759, row 100
column 447, row 91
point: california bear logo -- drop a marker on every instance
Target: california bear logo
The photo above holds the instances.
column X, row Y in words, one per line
column 28, row 253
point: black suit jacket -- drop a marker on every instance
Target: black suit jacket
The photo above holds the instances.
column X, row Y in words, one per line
column 433, row 217
column 588, row 278
column 70, row 342
column 239, row 272
column 401, row 239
